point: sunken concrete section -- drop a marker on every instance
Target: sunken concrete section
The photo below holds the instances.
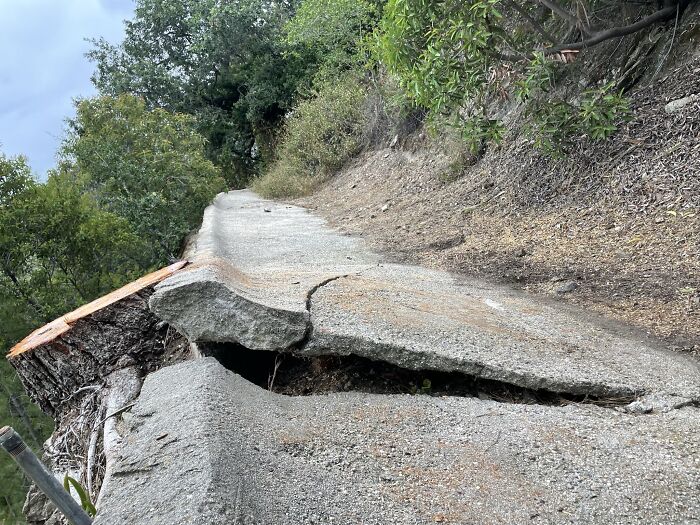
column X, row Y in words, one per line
column 422, row 319
column 272, row 276
column 202, row 445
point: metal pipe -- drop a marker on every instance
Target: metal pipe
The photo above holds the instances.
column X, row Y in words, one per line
column 42, row 478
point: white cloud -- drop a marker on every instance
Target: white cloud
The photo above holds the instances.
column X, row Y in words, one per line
column 42, row 68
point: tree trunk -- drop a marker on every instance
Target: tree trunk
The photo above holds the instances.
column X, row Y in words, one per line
column 79, row 368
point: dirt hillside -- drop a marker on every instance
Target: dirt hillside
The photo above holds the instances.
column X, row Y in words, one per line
column 613, row 227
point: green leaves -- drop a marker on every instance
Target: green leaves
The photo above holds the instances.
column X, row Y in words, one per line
column 147, row 167
column 321, row 135
column 554, row 123
column 448, row 57
column 221, row 62
column 441, row 53
column 85, row 502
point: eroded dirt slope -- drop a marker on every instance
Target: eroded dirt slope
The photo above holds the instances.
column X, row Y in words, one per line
column 614, row 227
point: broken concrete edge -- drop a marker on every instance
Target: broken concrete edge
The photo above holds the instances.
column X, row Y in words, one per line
column 325, row 344
column 84, row 369
column 257, row 326
column 63, row 324
column 228, row 451
column 235, row 316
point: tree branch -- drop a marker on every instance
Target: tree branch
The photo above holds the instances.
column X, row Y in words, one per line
column 662, row 15
column 566, row 15
column 22, row 293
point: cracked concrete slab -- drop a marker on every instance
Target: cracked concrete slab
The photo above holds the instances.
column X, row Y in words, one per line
column 272, row 276
column 423, row 319
column 203, row 445
column 255, row 262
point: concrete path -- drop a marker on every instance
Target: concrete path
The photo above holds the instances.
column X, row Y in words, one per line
column 272, row 276
column 203, row 446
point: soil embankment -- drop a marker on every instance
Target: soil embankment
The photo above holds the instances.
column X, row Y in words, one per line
column 613, row 227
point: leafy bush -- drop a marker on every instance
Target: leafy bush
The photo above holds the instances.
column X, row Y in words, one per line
column 457, row 58
column 327, row 35
column 147, row 166
column 320, row 136
column 555, row 123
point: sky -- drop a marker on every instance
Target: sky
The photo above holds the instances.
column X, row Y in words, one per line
column 43, row 68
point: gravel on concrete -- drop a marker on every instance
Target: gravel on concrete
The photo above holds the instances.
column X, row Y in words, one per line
column 204, row 446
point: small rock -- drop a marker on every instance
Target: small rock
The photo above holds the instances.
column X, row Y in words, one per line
column 567, row 287
column 385, row 207
column 656, row 403
column 394, row 141
column 678, row 104
column 267, row 210
column 353, row 186
column 372, row 216
column 522, row 252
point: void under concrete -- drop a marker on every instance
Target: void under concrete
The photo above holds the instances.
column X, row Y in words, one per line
column 272, row 276
column 204, row 446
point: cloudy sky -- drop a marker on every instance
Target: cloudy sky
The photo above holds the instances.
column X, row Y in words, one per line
column 42, row 68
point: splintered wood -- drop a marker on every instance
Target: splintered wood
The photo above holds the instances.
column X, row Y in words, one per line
column 61, row 325
column 83, row 347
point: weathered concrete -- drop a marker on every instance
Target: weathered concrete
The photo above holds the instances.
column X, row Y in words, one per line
column 260, row 267
column 205, row 446
column 255, row 263
column 423, row 319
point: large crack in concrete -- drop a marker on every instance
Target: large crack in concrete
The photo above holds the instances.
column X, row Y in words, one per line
column 272, row 277
column 294, row 374
column 227, row 451
column 409, row 396
column 291, row 372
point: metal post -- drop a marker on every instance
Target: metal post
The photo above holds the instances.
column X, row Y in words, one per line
column 42, row 478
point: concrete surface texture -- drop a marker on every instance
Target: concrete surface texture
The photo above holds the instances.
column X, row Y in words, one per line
column 204, row 446
column 272, row 276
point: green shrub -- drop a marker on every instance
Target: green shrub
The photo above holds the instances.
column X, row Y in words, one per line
column 320, row 136
column 458, row 60
column 555, row 123
column 327, row 36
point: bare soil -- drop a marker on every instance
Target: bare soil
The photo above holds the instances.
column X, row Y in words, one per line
column 616, row 223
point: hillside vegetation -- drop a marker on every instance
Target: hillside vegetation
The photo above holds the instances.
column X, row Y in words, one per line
column 526, row 140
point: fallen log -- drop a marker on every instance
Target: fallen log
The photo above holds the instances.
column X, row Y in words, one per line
column 79, row 367
column 84, row 346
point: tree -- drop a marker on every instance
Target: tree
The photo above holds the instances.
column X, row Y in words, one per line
column 146, row 166
column 455, row 58
column 326, row 37
column 58, row 250
column 220, row 61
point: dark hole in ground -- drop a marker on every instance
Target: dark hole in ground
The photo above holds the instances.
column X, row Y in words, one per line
column 294, row 375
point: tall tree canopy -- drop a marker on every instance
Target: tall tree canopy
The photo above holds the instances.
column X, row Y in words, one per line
column 220, row 61
column 146, row 166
